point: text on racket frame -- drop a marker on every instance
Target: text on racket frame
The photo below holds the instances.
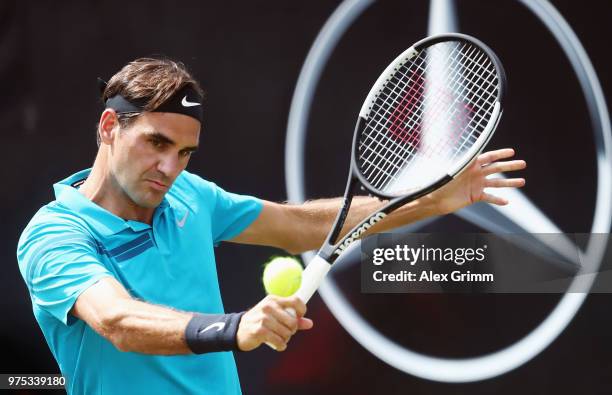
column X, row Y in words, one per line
column 358, row 232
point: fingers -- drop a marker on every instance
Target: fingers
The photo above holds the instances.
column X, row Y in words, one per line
column 492, row 156
column 295, row 303
column 282, row 320
column 305, row 324
column 487, row 197
column 275, row 341
column 505, row 182
column 278, row 313
column 269, row 322
column 499, row 167
column 257, row 327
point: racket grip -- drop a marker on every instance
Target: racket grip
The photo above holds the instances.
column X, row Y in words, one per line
column 312, row 277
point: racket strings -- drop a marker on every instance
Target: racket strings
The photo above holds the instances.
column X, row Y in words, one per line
column 433, row 107
column 411, row 138
column 400, row 83
column 416, row 130
column 434, row 114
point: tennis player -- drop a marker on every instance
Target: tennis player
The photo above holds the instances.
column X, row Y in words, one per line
column 121, row 268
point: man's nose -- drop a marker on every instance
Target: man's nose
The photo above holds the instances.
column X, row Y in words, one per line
column 169, row 165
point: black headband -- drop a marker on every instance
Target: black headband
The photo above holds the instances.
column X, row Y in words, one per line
column 186, row 101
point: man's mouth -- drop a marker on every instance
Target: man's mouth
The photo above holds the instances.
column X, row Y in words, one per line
column 158, row 185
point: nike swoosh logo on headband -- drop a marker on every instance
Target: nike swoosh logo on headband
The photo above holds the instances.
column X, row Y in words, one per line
column 186, row 103
column 218, row 325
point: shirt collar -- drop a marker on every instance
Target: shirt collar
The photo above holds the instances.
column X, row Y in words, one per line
column 104, row 221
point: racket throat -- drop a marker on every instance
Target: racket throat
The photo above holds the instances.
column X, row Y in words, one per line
column 357, row 232
column 342, row 213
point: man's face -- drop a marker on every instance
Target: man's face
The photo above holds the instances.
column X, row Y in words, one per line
column 147, row 156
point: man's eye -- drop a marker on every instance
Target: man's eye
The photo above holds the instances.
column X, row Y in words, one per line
column 157, row 143
column 186, row 154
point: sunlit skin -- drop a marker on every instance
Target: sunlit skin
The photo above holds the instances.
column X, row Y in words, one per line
column 136, row 166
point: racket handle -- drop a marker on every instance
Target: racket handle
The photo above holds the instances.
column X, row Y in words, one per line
column 312, row 277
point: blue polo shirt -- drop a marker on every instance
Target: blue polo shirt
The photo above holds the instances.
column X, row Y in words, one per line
column 71, row 243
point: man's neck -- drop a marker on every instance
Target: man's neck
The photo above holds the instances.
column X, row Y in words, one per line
column 102, row 189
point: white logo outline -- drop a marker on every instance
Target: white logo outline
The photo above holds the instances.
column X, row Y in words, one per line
column 180, row 223
column 218, row 325
column 186, row 103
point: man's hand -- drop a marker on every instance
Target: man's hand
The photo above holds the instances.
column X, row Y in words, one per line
column 468, row 187
column 268, row 322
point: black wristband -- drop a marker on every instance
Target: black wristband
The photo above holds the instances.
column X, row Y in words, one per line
column 212, row 332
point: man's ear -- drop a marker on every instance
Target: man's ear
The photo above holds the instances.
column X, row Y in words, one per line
column 108, row 126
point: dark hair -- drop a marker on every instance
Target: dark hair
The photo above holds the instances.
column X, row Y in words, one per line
column 152, row 80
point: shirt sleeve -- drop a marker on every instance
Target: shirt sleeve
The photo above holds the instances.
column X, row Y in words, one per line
column 230, row 213
column 58, row 262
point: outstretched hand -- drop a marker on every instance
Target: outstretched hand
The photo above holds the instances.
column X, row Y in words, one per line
column 468, row 187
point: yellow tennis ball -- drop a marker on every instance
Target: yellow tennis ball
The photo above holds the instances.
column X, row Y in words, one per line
column 282, row 276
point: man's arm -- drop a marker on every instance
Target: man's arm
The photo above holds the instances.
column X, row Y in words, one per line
column 299, row 228
column 132, row 325
column 129, row 324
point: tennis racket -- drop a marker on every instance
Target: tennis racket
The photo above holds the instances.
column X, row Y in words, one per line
column 431, row 111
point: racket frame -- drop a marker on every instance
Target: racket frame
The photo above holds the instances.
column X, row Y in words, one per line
column 334, row 246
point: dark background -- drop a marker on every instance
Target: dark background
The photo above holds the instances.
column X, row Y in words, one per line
column 247, row 56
